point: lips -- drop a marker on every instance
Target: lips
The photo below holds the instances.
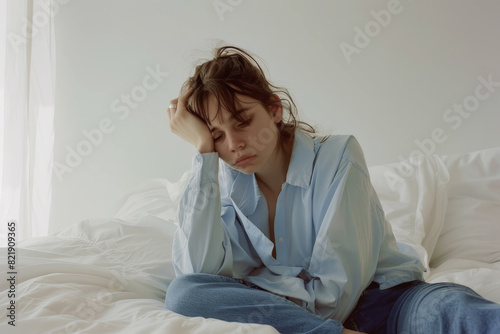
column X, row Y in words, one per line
column 243, row 160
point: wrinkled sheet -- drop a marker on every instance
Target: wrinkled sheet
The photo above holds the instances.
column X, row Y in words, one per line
column 111, row 275
column 482, row 277
column 101, row 276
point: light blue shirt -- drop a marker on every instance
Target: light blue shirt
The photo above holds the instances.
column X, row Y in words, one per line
column 331, row 235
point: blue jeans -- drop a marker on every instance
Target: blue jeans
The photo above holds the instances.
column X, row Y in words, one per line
column 413, row 307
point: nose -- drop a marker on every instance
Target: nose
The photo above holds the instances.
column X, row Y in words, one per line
column 235, row 140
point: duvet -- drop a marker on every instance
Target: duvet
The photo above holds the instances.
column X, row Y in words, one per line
column 110, row 275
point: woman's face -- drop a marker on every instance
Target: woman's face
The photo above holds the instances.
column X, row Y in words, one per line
column 248, row 146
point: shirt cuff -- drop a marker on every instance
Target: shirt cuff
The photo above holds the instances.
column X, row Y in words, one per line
column 205, row 167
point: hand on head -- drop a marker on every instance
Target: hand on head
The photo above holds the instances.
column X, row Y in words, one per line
column 188, row 126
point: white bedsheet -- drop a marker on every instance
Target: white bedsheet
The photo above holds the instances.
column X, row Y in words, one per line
column 101, row 276
column 482, row 277
column 111, row 275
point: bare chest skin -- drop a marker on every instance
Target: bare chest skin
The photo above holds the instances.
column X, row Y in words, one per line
column 271, row 199
column 273, row 187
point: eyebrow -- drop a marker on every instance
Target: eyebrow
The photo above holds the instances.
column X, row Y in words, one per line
column 237, row 112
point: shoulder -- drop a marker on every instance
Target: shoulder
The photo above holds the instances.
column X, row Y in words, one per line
column 339, row 150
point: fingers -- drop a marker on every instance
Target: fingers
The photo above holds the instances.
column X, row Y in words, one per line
column 185, row 87
column 179, row 103
column 182, row 99
column 173, row 102
column 172, row 108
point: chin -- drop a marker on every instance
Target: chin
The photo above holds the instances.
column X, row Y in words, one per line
column 248, row 172
column 244, row 169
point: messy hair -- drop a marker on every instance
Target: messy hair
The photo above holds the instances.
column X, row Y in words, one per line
column 235, row 71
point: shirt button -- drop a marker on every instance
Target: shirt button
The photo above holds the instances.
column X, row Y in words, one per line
column 281, row 239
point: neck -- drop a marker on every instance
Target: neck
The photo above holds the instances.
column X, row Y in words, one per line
column 274, row 175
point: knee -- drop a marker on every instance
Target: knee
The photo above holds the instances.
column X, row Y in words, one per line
column 184, row 283
column 183, row 289
column 444, row 297
column 185, row 293
column 199, row 281
column 439, row 305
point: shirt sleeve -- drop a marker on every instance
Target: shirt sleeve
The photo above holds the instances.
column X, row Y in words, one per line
column 350, row 235
column 201, row 243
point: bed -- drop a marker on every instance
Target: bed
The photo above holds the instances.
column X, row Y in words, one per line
column 110, row 275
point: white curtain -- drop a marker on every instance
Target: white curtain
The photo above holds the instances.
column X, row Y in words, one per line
column 27, row 82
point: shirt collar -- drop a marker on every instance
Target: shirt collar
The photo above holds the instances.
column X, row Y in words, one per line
column 302, row 160
column 245, row 191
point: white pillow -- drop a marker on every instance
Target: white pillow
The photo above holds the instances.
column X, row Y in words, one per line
column 472, row 225
column 156, row 197
column 413, row 196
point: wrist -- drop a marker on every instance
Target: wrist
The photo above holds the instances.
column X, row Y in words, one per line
column 206, row 147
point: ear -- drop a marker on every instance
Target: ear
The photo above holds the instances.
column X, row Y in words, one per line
column 276, row 110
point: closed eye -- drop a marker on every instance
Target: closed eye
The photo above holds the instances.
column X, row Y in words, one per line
column 245, row 123
column 218, row 137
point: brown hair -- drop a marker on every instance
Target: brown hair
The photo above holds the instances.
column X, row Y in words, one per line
column 235, row 71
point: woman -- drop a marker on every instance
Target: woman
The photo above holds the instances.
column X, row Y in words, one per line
column 288, row 230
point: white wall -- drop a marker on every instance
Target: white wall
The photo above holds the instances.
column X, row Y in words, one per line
column 394, row 92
